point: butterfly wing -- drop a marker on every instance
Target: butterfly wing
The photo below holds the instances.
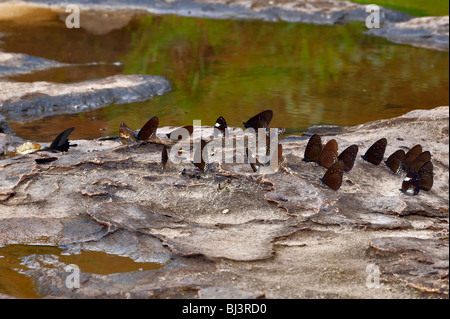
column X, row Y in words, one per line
column 329, row 155
column 260, row 120
column 148, row 131
column 395, row 161
column 181, row 133
column 333, row 176
column 127, row 135
column 253, row 161
column 313, row 149
column 411, row 155
column 411, row 184
column 426, row 176
column 220, row 127
column 199, row 162
column 164, row 157
column 348, row 156
column 375, row 153
column 61, row 142
column 418, row 162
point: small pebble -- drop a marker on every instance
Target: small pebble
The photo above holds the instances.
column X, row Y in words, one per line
column 225, row 211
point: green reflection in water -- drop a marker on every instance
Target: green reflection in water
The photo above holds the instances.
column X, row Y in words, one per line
column 307, row 74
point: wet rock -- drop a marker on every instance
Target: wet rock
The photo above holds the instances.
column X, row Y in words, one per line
column 22, row 101
column 16, row 63
column 426, row 32
column 4, row 128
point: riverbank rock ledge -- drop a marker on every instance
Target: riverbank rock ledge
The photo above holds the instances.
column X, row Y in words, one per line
column 24, row 101
column 230, row 232
column 425, row 32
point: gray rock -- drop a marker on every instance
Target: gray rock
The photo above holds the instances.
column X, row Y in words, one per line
column 286, row 234
column 24, row 101
column 15, row 63
column 311, row 11
column 426, row 32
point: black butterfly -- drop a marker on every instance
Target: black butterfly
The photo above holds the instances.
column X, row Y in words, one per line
column 348, row 156
column 313, row 149
column 260, row 120
column 199, row 162
column 426, row 176
column 333, row 176
column 220, row 127
column 411, row 184
column 61, row 142
column 180, row 133
column 411, row 155
column 395, row 161
column 418, row 162
column 375, row 153
column 148, row 131
column 164, row 157
column 329, row 154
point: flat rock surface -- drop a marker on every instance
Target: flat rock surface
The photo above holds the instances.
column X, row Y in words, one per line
column 426, row 32
column 24, row 101
column 232, row 232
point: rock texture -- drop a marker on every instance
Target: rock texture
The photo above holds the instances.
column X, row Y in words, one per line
column 22, row 101
column 232, row 232
column 426, row 32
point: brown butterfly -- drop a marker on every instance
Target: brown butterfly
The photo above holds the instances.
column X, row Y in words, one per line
column 148, row 131
column 411, row 184
column 426, row 176
column 395, row 161
column 418, row 162
column 333, row 176
column 180, row 133
column 260, row 120
column 411, row 155
column 348, row 156
column 313, row 149
column 375, row 153
column 329, row 154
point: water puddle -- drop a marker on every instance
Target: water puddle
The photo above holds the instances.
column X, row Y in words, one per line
column 14, row 283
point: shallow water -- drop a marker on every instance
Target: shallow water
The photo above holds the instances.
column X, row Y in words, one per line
column 307, row 74
column 15, row 283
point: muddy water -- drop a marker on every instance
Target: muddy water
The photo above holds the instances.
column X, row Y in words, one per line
column 307, row 74
column 15, row 283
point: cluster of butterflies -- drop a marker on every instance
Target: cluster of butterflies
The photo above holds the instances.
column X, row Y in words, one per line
column 416, row 162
